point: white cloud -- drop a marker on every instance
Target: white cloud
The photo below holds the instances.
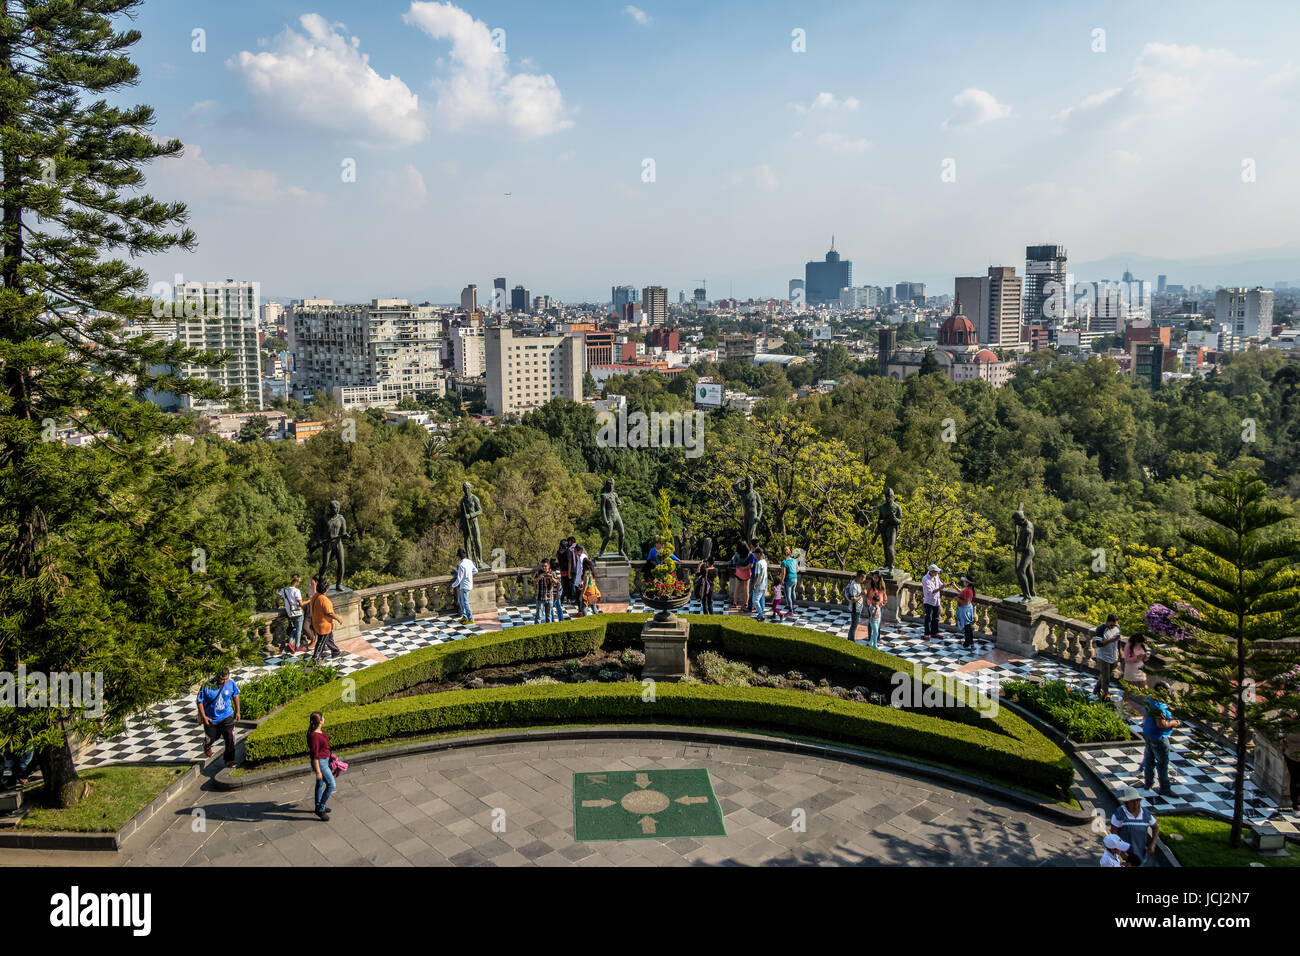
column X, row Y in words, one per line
column 1283, row 76
column 319, row 79
column 403, row 187
column 842, row 143
column 479, row 88
column 762, row 176
column 192, row 175
column 975, row 107
column 637, row 14
column 1166, row 78
column 1127, row 157
column 200, row 109
column 825, row 102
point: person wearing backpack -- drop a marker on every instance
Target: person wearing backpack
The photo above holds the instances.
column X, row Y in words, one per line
column 853, row 597
column 291, row 606
column 1106, row 644
column 219, row 709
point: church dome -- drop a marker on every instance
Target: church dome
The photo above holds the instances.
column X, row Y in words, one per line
column 957, row 329
column 986, row 355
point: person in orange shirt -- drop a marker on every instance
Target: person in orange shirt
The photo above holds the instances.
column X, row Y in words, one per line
column 323, row 620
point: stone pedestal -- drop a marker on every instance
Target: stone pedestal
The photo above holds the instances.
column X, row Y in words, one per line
column 1269, row 769
column 613, row 573
column 483, row 595
column 347, row 605
column 11, row 801
column 894, row 581
column 1021, row 629
column 665, row 649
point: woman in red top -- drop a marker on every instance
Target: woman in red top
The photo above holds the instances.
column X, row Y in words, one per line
column 318, row 745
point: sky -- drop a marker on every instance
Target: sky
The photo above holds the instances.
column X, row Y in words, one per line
column 382, row 148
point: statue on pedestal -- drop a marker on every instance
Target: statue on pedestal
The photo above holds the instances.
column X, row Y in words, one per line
column 1024, row 552
column 330, row 532
column 887, row 525
column 751, row 503
column 613, row 520
column 471, row 509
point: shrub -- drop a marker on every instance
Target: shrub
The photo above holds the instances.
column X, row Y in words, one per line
column 716, row 669
column 1004, row 746
column 264, row 693
column 1072, row 712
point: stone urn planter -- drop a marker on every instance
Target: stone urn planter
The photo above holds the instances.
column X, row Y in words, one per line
column 664, row 638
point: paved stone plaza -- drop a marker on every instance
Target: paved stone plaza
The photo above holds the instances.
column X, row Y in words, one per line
column 438, row 810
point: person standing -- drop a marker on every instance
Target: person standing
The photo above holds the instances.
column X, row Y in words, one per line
column 1157, row 727
column 742, row 568
column 323, row 620
column 306, row 614
column 543, row 582
column 753, row 572
column 966, row 612
column 876, row 597
column 1135, row 659
column 1105, row 640
column 758, row 594
column 791, row 567
column 318, row 745
column 18, row 765
column 853, row 597
column 463, row 583
column 590, row 592
column 291, row 601
column 1136, row 825
column 219, row 709
column 563, row 565
column 704, row 580
column 583, row 574
column 931, row 587
column 575, row 571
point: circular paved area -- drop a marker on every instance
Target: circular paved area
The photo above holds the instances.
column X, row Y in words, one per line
column 438, row 810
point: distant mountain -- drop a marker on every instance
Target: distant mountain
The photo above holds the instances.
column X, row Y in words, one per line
column 1264, row 267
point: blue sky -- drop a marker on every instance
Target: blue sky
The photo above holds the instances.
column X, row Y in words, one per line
column 1127, row 143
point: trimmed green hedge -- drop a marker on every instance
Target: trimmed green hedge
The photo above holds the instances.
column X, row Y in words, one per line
column 1003, row 745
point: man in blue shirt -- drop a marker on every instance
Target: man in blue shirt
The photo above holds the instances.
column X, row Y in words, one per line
column 1156, row 730
column 219, row 709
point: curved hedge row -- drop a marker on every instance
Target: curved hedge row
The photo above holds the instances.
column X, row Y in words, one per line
column 1003, row 745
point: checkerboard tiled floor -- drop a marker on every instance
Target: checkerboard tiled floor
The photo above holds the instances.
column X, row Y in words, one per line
column 1200, row 770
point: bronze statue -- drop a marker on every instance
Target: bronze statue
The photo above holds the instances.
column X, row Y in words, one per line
column 613, row 520
column 330, row 532
column 887, row 525
column 1024, row 552
column 471, row 509
column 752, row 503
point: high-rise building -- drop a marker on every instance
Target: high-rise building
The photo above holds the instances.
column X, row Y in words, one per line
column 519, row 299
column 862, row 297
column 701, row 299
column 1160, row 284
column 469, row 298
column 213, row 317
column 1248, row 313
column 886, row 347
column 654, row 303
column 467, row 350
column 796, row 292
column 1045, row 284
column 527, row 371
column 621, row 295
column 1106, row 309
column 824, row 280
column 500, row 303
column 373, row 354
column 992, row 304
column 910, row 293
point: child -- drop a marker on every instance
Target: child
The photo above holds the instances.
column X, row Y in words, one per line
column 777, row 592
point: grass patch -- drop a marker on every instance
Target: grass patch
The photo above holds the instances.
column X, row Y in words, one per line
column 1072, row 712
column 1205, row 843
column 116, row 795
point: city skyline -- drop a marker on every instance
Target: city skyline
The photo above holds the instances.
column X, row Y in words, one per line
column 470, row 162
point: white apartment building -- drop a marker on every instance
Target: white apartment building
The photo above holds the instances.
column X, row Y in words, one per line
column 467, row 351
column 527, row 371
column 376, row 354
column 1247, row 313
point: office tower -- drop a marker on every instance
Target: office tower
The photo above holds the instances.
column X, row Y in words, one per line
column 621, row 295
column 992, row 303
column 701, row 300
column 796, row 291
column 599, row 348
column 681, row 297
column 1045, row 285
column 214, row 317
column 973, row 294
column 373, row 354
column 654, row 303
column 467, row 350
column 1146, row 363
column 272, row 315
column 1248, row 313
column 519, row 299
column 1160, row 284
column 469, row 298
column 1106, row 307
column 886, row 347
column 499, row 301
column 861, row 297
column 527, row 371
column 824, row 280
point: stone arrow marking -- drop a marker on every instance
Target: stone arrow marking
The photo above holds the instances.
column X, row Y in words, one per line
column 647, row 824
column 643, row 781
column 687, row 801
column 602, row 803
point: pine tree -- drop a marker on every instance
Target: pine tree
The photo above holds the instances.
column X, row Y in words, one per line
column 100, row 571
column 1241, row 572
